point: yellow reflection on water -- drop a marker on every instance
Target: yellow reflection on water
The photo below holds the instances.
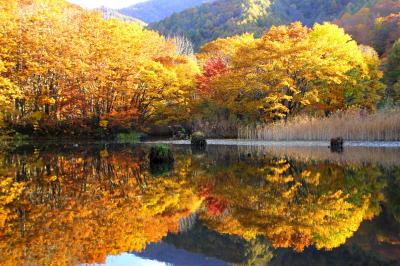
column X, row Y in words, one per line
column 68, row 207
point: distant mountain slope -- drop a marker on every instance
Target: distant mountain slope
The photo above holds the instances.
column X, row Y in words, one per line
column 156, row 10
column 224, row 18
column 377, row 25
column 312, row 11
column 209, row 21
column 112, row 13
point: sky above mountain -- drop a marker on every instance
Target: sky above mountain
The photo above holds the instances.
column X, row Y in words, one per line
column 107, row 3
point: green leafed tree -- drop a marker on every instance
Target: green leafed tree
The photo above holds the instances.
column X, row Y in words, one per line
column 392, row 74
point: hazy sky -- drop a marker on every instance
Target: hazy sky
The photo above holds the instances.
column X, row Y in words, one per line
column 107, row 3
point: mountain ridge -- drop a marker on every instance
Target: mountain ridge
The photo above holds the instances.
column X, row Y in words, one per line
column 156, row 10
column 109, row 13
column 224, row 18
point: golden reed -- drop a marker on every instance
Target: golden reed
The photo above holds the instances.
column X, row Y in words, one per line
column 351, row 125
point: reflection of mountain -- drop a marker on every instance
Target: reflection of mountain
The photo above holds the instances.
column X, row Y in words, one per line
column 379, row 237
column 343, row 256
column 377, row 243
column 198, row 245
column 212, row 248
column 177, row 257
column 202, row 240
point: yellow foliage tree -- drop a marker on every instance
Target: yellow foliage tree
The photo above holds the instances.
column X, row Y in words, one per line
column 109, row 68
column 291, row 69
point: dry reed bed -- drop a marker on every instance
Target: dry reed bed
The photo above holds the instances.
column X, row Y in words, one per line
column 351, row 125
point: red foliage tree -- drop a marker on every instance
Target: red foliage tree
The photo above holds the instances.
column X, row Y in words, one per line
column 212, row 68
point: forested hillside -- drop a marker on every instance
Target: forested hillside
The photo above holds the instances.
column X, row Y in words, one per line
column 156, row 10
column 210, row 21
column 229, row 17
column 377, row 25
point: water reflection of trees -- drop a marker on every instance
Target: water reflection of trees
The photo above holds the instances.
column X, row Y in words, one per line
column 77, row 206
column 81, row 207
column 294, row 204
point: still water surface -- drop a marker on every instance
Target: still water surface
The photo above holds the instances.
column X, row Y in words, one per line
column 229, row 205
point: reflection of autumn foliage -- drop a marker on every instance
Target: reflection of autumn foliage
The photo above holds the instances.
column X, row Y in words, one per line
column 293, row 205
column 9, row 192
column 70, row 209
column 79, row 208
column 215, row 205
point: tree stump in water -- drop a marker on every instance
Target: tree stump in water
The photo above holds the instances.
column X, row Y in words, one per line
column 198, row 140
column 337, row 145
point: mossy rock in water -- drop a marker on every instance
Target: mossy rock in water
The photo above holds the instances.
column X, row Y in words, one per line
column 198, row 139
column 160, row 169
column 337, row 145
column 161, row 154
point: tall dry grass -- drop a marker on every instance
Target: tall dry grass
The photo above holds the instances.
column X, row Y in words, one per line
column 218, row 128
column 351, row 125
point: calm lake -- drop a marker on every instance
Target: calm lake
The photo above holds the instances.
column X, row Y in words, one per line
column 70, row 204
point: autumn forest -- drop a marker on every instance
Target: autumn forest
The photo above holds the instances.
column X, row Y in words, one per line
column 200, row 132
column 67, row 71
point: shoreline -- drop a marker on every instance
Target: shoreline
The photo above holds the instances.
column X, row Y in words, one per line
column 212, row 142
column 288, row 143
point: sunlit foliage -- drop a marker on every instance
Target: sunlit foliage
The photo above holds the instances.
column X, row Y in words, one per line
column 288, row 70
column 110, row 70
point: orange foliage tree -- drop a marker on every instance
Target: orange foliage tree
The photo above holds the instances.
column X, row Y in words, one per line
column 110, row 70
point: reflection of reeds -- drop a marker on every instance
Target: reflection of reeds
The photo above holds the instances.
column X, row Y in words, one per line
column 351, row 125
column 350, row 155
